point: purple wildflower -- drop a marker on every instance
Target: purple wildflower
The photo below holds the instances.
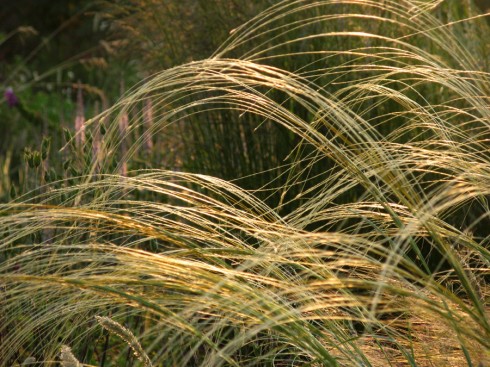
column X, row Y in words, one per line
column 10, row 97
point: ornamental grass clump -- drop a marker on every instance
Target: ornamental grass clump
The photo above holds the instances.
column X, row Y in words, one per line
column 364, row 243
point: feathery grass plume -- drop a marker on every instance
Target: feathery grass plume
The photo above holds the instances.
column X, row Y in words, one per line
column 366, row 244
column 115, row 328
column 29, row 361
column 67, row 358
column 22, row 31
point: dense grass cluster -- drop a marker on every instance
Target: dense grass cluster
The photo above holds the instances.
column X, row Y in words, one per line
column 325, row 204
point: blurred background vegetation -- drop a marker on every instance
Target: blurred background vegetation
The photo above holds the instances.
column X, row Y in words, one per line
column 48, row 47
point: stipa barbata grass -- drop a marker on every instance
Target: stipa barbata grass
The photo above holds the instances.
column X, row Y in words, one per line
column 227, row 278
column 67, row 358
column 29, row 361
column 116, row 328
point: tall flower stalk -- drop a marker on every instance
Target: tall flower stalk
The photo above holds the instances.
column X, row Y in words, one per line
column 80, row 119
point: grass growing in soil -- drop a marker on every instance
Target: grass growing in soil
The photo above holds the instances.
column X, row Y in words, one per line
column 329, row 207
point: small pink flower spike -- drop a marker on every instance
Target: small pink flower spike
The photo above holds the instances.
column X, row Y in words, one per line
column 148, row 120
column 80, row 119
